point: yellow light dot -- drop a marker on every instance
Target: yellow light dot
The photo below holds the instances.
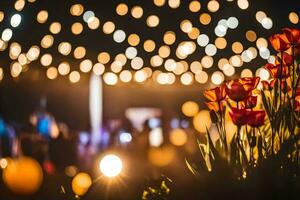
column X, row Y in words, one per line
column 93, row 23
column 133, row 39
column 190, row 108
column 55, row 27
column 293, row 17
column 63, row 68
column 186, row 26
column 213, row 6
column 42, row 16
column 19, row 5
column 194, row 33
column 1, row 16
column 46, row 59
column 47, row 41
column 76, row 10
column 194, row 6
column 103, row 57
column 152, row 21
column 221, row 43
column 33, row 53
column 207, row 61
column 86, row 66
column 246, row 73
column 201, row 77
column 81, row 183
column 237, row 47
column 260, row 15
column 243, row 4
column 125, row 76
column 137, row 12
column 156, row 61
column 140, row 76
column 74, row 77
column 159, row 2
column 98, row 69
column 77, row 28
column 108, row 27
column 22, row 59
column 169, row 37
column 202, row 121
column 14, row 50
column 178, row 137
column 251, row 36
column 122, row 9
column 205, row 19
column 236, row 61
column 121, row 58
column 164, row 51
column 16, row 69
column 65, row 48
column 174, row 3
column 261, row 42
column 217, row 78
column 79, row 52
column 1, row 77
column 116, row 66
column 149, row 45
column 187, row 78
column 110, row 78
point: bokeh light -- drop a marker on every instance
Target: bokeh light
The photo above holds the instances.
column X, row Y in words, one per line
column 111, row 165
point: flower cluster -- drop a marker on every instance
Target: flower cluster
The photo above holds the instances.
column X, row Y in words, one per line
column 266, row 118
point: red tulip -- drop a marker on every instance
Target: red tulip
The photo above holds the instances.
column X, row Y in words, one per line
column 239, row 116
column 250, row 102
column 215, row 106
column 268, row 85
column 216, row 94
column 278, row 72
column 279, row 42
column 249, row 83
column 297, row 109
column 256, row 118
column 236, row 91
column 298, row 94
column 292, row 34
column 287, row 59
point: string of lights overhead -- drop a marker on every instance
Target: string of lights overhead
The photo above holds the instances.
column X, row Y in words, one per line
column 167, row 63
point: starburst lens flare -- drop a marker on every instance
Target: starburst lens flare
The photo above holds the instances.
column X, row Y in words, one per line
column 111, row 165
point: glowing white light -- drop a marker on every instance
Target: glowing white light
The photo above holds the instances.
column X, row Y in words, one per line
column 15, row 20
column 137, row 63
column 131, row 52
column 111, row 165
column 88, row 15
column 220, row 30
column 203, row 40
column 125, row 137
column 210, row 50
column 7, row 34
column 264, row 53
column 119, row 36
column 232, row 22
column 217, row 78
column 267, row 23
column 263, row 74
column 96, row 108
column 156, row 137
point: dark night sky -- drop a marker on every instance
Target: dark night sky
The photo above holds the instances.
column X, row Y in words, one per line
column 69, row 102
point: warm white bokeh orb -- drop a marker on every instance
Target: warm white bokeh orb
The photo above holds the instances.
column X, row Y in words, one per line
column 111, row 165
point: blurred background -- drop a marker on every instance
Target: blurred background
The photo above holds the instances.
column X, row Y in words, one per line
column 83, row 79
